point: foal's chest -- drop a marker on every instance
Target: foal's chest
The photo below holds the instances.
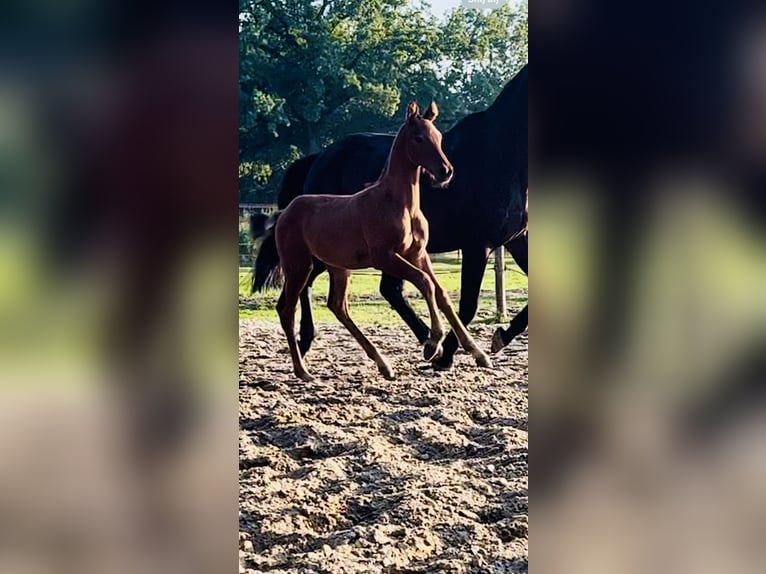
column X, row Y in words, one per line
column 416, row 233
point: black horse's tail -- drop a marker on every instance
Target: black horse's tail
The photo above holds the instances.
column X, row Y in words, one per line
column 267, row 262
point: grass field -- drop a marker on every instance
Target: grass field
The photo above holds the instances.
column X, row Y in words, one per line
column 368, row 306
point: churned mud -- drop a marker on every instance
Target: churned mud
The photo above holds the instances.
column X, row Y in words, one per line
column 354, row 473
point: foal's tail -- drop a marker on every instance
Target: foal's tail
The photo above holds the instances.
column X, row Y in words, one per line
column 267, row 262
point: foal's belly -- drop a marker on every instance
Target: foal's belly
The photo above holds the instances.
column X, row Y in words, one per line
column 349, row 257
column 336, row 237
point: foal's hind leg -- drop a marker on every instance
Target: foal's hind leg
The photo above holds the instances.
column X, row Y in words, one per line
column 337, row 301
column 295, row 280
column 442, row 299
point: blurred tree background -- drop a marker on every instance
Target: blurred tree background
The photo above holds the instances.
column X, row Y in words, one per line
column 312, row 71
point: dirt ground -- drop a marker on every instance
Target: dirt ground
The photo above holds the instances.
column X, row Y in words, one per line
column 354, row 473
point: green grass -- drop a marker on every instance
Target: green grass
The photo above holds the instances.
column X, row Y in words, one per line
column 369, row 308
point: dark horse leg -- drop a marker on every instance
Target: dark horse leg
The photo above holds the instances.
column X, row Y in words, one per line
column 503, row 337
column 392, row 290
column 519, row 250
column 307, row 320
column 472, row 272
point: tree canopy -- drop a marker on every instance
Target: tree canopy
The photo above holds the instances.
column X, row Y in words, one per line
column 312, row 71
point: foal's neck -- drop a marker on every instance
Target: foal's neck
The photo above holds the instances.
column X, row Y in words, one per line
column 401, row 177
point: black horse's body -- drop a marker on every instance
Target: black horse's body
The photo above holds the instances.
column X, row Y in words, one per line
column 482, row 209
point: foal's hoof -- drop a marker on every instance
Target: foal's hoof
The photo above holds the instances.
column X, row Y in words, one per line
column 432, row 350
column 386, row 370
column 497, row 341
column 483, row 361
column 304, row 376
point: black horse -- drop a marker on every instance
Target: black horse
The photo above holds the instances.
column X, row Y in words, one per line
column 484, row 206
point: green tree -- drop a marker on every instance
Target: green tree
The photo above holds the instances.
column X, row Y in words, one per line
column 313, row 71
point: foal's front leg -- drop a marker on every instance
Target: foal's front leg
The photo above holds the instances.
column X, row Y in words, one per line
column 471, row 275
column 442, row 299
column 396, row 265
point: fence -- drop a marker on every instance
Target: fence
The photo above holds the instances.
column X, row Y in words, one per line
column 246, row 251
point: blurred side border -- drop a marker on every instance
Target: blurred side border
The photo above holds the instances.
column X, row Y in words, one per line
column 118, row 161
column 646, row 355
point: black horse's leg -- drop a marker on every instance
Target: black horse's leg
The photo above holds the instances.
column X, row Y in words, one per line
column 503, row 337
column 392, row 290
column 307, row 320
column 471, row 274
column 518, row 248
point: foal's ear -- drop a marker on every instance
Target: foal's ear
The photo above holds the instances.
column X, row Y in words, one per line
column 432, row 112
column 412, row 110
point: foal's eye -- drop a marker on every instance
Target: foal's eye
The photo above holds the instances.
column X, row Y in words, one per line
column 419, row 139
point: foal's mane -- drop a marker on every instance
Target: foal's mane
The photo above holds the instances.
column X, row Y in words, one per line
column 390, row 153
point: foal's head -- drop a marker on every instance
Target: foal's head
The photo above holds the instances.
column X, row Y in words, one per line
column 423, row 143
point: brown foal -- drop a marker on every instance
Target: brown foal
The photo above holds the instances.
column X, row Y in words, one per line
column 382, row 227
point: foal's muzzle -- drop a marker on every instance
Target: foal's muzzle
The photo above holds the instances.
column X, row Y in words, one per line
column 444, row 176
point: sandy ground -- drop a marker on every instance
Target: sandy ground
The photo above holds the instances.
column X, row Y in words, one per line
column 354, row 473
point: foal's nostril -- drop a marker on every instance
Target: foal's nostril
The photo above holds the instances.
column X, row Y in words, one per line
column 445, row 172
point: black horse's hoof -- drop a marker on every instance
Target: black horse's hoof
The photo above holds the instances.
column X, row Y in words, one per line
column 497, row 341
column 443, row 363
